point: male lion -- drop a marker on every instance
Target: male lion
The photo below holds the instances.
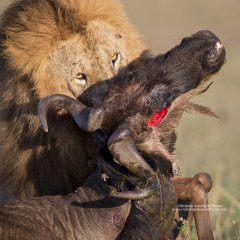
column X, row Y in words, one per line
column 60, row 46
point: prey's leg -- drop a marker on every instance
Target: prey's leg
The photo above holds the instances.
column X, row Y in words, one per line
column 122, row 146
column 195, row 189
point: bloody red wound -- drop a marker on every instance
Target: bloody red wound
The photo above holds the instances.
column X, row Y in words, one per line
column 157, row 117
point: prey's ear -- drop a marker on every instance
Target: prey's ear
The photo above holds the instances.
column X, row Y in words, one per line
column 95, row 119
column 86, row 118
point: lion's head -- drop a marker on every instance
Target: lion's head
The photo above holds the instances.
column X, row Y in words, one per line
column 46, row 47
column 66, row 46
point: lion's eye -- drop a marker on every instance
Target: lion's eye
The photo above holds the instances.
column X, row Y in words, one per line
column 81, row 79
column 116, row 60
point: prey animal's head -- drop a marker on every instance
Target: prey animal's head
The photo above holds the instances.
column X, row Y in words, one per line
column 202, row 49
column 185, row 67
column 169, row 81
column 207, row 49
column 196, row 59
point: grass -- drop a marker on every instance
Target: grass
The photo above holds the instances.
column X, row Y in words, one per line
column 186, row 232
column 203, row 144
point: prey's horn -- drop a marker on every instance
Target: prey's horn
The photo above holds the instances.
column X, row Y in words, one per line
column 78, row 111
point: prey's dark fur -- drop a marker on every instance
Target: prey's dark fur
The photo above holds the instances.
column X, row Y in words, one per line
column 170, row 81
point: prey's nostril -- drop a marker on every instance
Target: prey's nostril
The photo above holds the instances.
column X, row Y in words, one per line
column 205, row 34
column 215, row 58
column 219, row 45
column 216, row 52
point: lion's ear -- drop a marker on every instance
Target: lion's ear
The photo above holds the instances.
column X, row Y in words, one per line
column 111, row 12
column 28, row 33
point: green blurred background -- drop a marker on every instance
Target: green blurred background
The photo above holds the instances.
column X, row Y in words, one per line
column 204, row 144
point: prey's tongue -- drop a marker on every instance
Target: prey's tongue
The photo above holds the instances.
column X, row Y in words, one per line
column 157, row 117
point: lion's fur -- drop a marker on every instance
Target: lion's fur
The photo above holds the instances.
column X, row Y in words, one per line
column 43, row 45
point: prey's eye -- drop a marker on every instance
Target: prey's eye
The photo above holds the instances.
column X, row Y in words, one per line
column 81, row 79
column 116, row 60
